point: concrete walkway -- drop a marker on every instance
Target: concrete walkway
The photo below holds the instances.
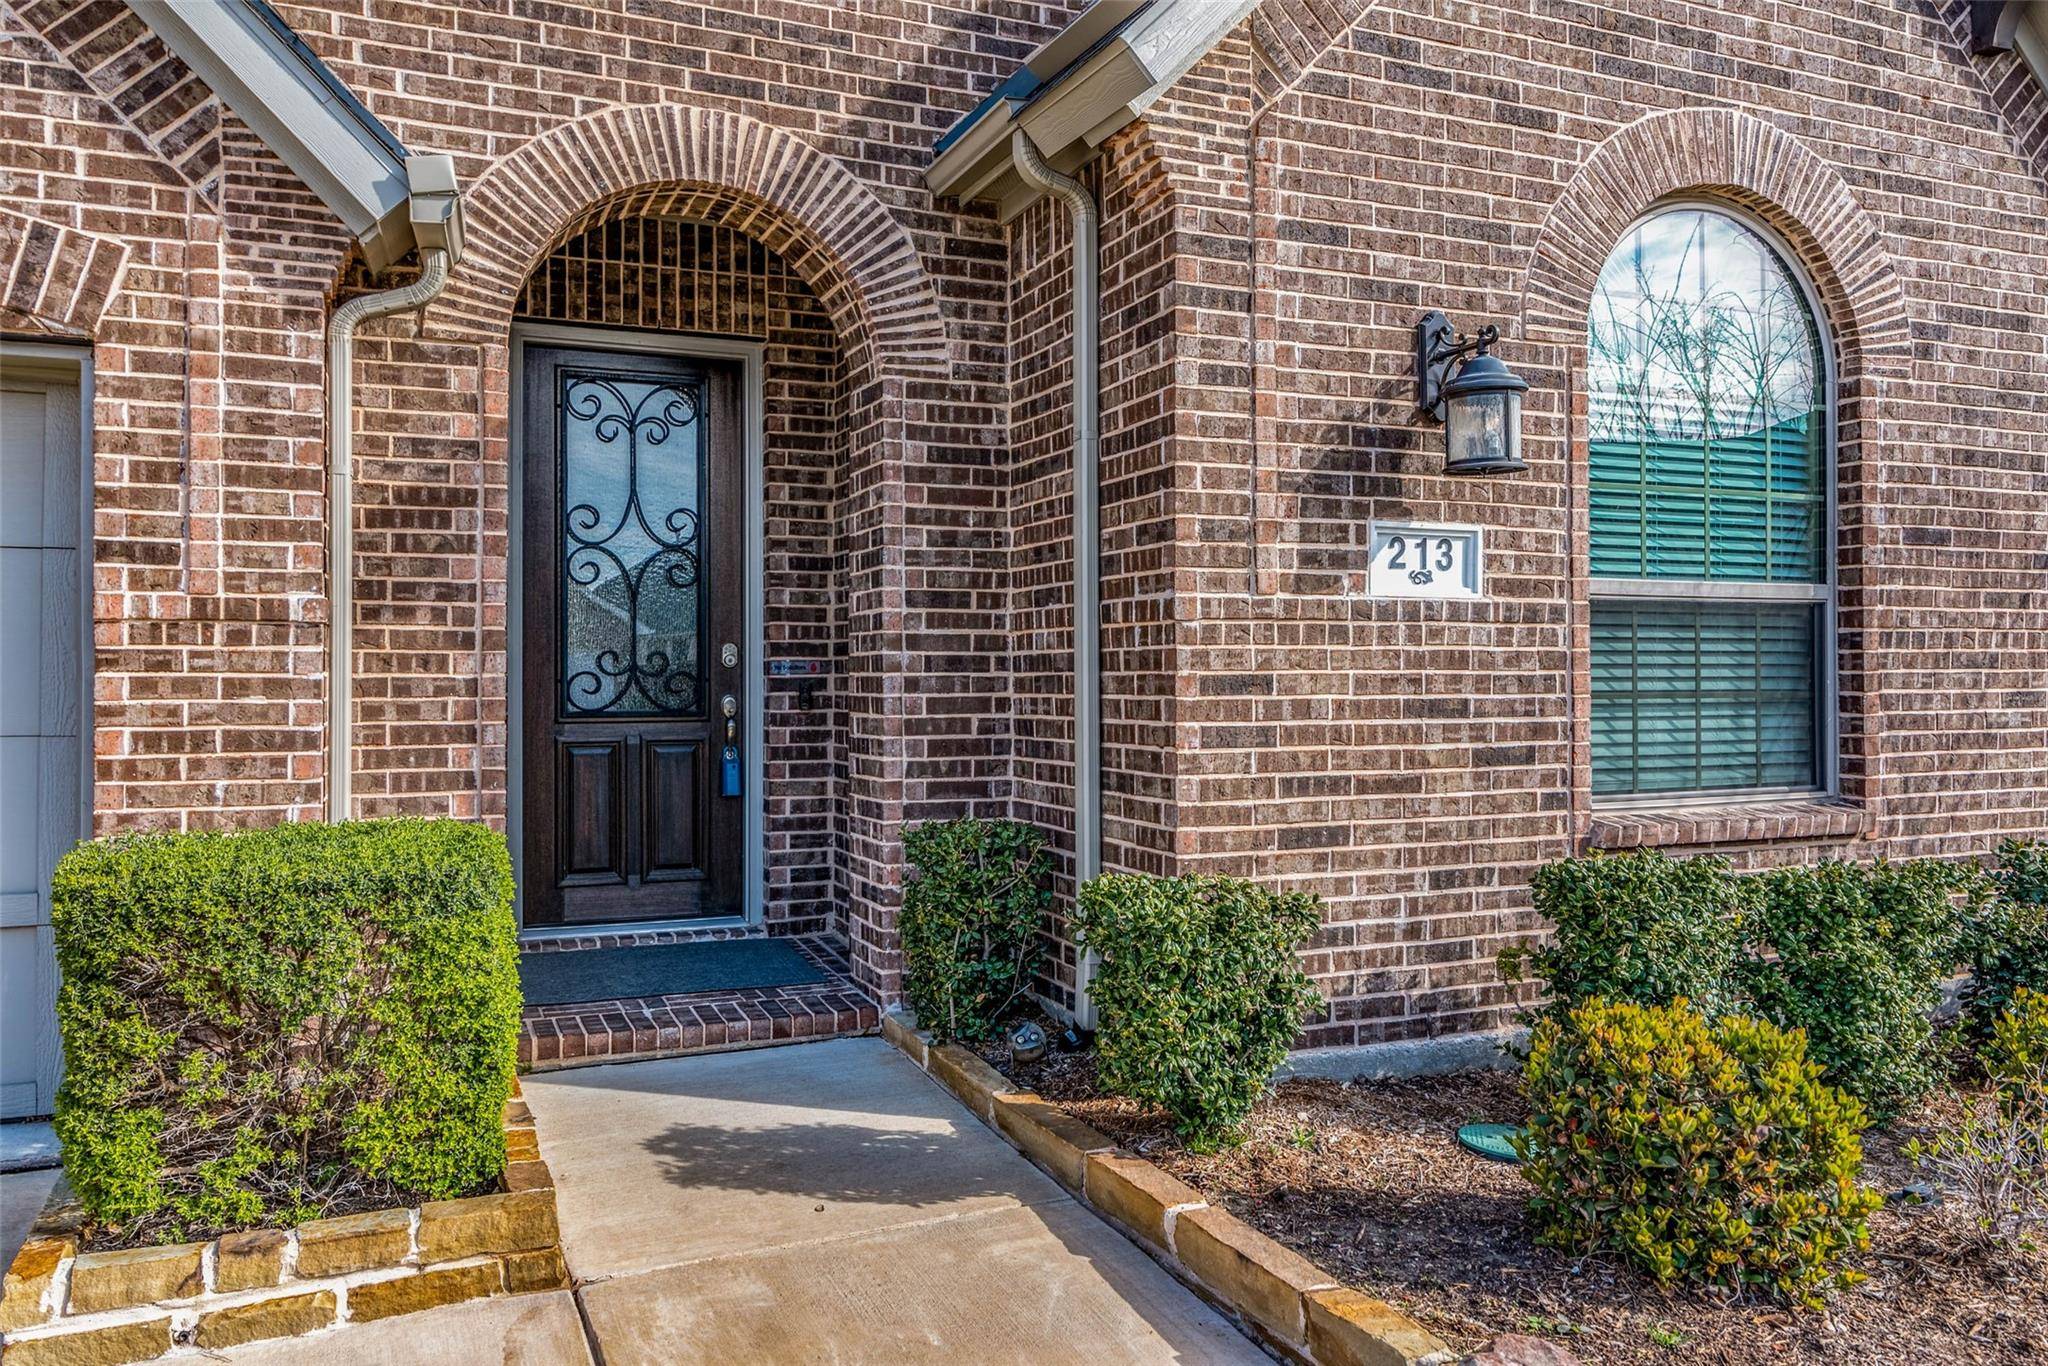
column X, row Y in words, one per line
column 821, row 1203
column 829, row 1203
column 512, row 1330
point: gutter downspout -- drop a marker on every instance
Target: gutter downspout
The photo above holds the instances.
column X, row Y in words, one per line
column 341, row 585
column 1087, row 363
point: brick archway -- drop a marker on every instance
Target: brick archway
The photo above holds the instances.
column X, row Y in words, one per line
column 736, row 172
column 1727, row 155
column 721, row 167
column 57, row 280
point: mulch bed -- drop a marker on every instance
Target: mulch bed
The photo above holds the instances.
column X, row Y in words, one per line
column 1366, row 1180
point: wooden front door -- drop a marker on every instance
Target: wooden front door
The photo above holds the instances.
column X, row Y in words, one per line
column 632, row 619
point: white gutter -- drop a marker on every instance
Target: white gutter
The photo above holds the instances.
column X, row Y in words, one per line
column 393, row 201
column 1087, row 365
column 341, row 509
column 259, row 68
column 1099, row 74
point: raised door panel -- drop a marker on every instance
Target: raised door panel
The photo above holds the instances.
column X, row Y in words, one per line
column 671, row 783
column 39, row 466
column 28, row 1021
column 592, row 820
column 22, row 630
column 23, row 456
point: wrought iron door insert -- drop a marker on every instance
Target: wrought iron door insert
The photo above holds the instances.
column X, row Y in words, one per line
column 632, row 471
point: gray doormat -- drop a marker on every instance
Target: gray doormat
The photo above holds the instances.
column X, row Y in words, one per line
column 565, row 976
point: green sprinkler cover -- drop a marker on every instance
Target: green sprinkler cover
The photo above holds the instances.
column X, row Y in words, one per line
column 1490, row 1140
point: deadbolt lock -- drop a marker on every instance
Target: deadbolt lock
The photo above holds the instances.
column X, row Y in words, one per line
column 729, row 655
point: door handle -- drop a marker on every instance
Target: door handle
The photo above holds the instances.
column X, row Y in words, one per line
column 729, row 756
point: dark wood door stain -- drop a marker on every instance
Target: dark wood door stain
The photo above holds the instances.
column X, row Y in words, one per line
column 632, row 588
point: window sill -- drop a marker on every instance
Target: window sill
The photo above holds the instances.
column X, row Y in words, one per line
column 1728, row 823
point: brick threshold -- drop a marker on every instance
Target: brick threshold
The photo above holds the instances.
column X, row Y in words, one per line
column 638, row 1029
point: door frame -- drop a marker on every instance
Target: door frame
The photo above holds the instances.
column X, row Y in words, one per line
column 754, row 634
column 68, row 363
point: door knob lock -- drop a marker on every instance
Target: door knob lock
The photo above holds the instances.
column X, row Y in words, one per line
column 729, row 754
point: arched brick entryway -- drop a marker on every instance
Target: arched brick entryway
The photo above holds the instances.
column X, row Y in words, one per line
column 721, row 167
column 734, row 172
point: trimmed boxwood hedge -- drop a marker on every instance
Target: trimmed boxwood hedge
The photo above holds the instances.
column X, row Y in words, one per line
column 1855, row 954
column 1199, row 992
column 1636, row 926
column 1852, row 953
column 267, row 1026
column 2007, row 940
column 972, row 915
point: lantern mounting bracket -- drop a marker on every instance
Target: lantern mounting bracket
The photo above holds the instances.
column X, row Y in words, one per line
column 1439, row 346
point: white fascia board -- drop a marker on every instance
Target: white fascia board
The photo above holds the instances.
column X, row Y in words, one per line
column 1172, row 36
column 2031, row 38
column 1101, row 92
column 1071, row 43
column 269, row 87
column 1104, row 94
column 965, row 169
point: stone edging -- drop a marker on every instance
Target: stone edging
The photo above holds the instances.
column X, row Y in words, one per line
column 59, row 1305
column 1291, row 1303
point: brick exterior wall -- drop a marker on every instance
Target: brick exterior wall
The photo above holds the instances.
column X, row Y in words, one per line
column 1271, row 231
column 1339, row 171
column 164, row 233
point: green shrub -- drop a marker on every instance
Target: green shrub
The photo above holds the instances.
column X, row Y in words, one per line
column 971, row 920
column 1639, row 927
column 1992, row 1165
column 2016, row 1060
column 2007, row 941
column 2022, row 873
column 1700, row 1151
column 1199, row 992
column 1856, row 956
column 258, row 1024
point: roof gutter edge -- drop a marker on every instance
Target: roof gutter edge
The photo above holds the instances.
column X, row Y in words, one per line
column 391, row 200
column 1164, row 41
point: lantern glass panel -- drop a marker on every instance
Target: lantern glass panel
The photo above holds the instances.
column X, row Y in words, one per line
column 1483, row 430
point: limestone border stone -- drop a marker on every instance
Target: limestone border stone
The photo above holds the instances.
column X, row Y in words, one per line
column 60, row 1305
column 1280, row 1297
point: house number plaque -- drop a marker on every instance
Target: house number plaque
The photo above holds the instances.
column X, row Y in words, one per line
column 1421, row 560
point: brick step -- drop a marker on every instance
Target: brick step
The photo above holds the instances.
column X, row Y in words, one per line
column 627, row 1031
column 590, row 1033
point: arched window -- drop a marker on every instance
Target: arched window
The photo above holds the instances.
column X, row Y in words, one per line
column 1712, row 552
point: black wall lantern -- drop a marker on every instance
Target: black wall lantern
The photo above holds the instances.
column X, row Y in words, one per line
column 1480, row 406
